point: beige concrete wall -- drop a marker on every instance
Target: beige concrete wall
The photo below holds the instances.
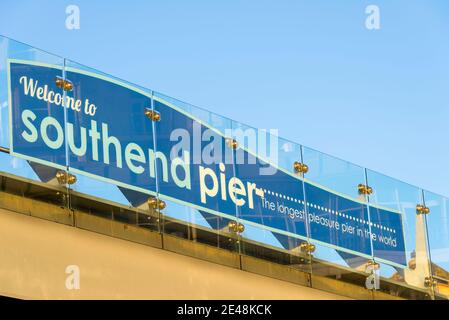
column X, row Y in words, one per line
column 34, row 254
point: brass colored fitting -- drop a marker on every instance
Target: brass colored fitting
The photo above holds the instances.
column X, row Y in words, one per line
column 232, row 143
column 232, row 226
column 236, row 227
column 71, row 179
column 300, row 167
column 429, row 282
column 67, row 86
column 65, row 178
column 152, row 115
column 307, row 247
column 375, row 265
column 59, row 82
column 156, row 116
column 63, row 84
column 422, row 209
column 61, row 177
column 312, row 248
column 364, row 189
column 161, row 204
column 154, row 203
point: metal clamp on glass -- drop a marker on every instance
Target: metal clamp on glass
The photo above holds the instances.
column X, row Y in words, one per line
column 372, row 265
column 300, row 167
column 152, row 115
column 232, row 143
column 364, row 189
column 155, row 203
column 422, row 209
column 430, row 282
column 65, row 178
column 307, row 247
column 65, row 85
column 233, row 226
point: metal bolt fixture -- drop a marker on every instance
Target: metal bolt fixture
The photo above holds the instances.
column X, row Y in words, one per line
column 236, row 227
column 59, row 82
column 307, row 247
column 161, row 205
column 155, row 203
column 232, row 143
column 364, row 189
column 68, row 86
column 430, row 282
column 373, row 264
column 232, row 226
column 65, row 85
column 300, row 167
column 65, row 178
column 312, row 248
column 152, row 115
column 422, row 209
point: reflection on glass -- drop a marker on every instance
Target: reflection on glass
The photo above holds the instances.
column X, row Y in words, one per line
column 438, row 235
column 99, row 152
column 263, row 196
column 9, row 50
column 194, row 168
column 338, row 217
column 24, row 137
column 276, row 219
column 408, row 262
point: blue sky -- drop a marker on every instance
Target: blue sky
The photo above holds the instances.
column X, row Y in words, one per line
column 378, row 98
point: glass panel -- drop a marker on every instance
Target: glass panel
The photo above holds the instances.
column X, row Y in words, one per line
column 110, row 141
column 338, row 218
column 271, row 205
column 399, row 244
column 20, row 61
column 438, row 236
column 194, row 166
column 32, row 125
column 10, row 52
column 82, row 139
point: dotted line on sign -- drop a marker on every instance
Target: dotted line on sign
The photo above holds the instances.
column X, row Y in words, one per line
column 278, row 195
column 337, row 213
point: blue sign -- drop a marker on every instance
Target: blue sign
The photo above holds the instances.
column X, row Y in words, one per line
column 99, row 129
